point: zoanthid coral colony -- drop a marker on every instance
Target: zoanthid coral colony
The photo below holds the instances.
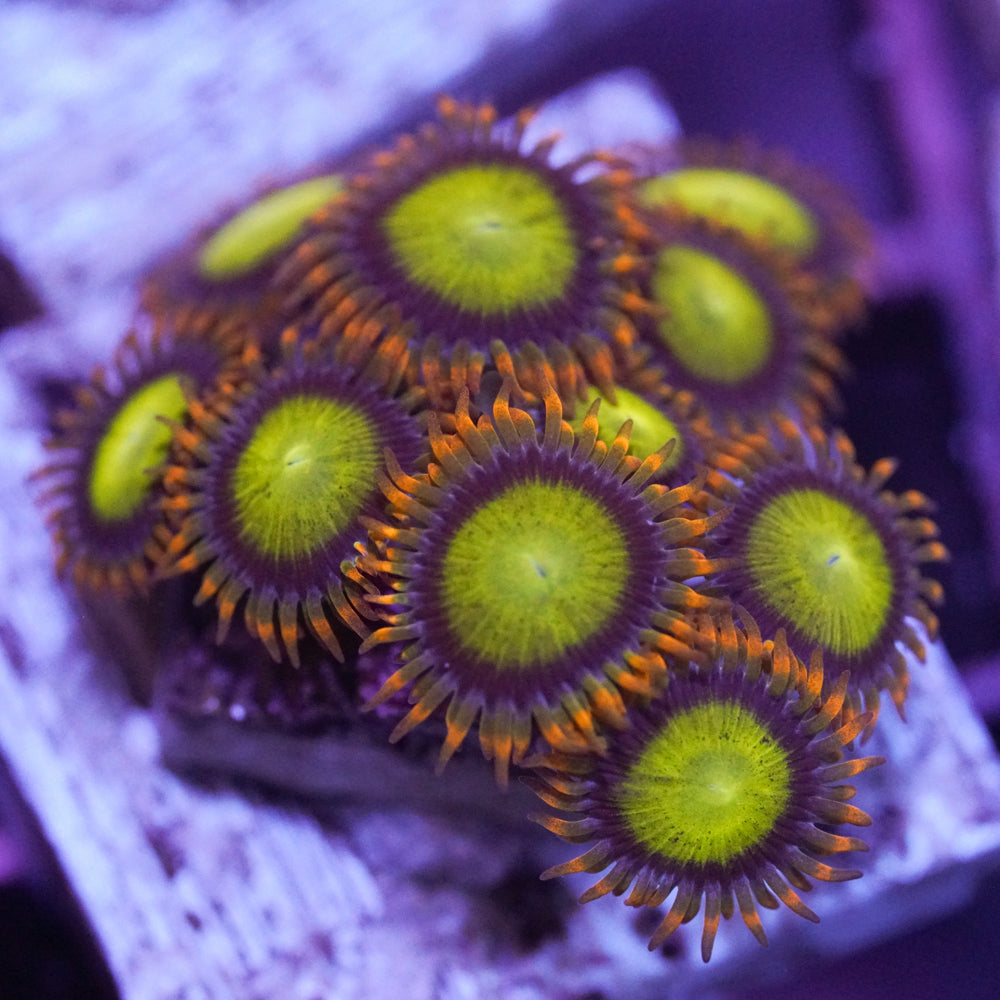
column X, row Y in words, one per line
column 541, row 457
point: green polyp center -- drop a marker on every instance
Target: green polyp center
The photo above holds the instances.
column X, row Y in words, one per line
column 304, row 475
column 488, row 240
column 532, row 573
column 709, row 785
column 743, row 201
column 260, row 230
column 134, row 442
column 717, row 326
column 651, row 428
column 820, row 564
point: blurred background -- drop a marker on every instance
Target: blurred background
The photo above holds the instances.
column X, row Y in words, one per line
column 899, row 100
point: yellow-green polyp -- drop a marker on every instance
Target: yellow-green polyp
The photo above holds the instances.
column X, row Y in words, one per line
column 537, row 577
column 708, row 787
column 135, row 441
column 485, row 238
column 252, row 236
column 822, row 564
column 304, row 474
column 718, row 327
column 533, row 573
column 721, row 792
column 755, row 206
column 651, row 427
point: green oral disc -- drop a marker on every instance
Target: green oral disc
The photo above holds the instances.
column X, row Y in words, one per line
column 534, row 572
column 487, row 239
column 820, row 564
column 651, row 429
column 304, row 475
column 717, row 327
column 709, row 786
column 134, row 442
column 249, row 239
column 750, row 204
